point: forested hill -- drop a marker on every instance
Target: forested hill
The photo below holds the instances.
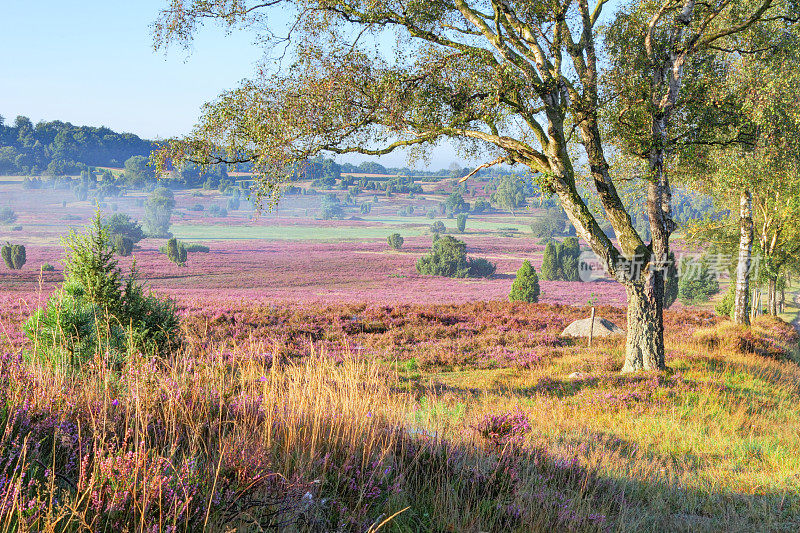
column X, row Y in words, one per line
column 59, row 148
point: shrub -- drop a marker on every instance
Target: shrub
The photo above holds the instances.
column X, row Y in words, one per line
column 122, row 245
column 554, row 223
column 196, row 247
column 395, row 241
column 122, row 224
column 176, row 252
column 7, row 215
column 697, row 283
column 550, row 262
column 438, row 227
column 725, row 306
column 568, row 253
column 97, row 311
column 14, row 255
column 366, row 208
column 196, row 207
column 448, row 258
column 233, row 203
column 331, row 207
column 526, row 285
column 480, row 267
column 217, row 211
column 505, row 429
column 480, row 205
column 157, row 213
column 461, row 222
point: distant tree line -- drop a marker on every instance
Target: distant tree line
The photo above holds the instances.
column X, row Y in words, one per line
column 57, row 148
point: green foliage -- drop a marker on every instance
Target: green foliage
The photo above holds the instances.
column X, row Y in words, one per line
column 366, row 207
column 121, row 224
column 568, row 253
column 438, row 227
column 196, row 247
column 97, row 312
column 14, row 255
column 331, row 208
column 137, row 172
column 233, row 203
column 47, row 267
column 725, row 306
column 176, row 252
column 448, row 258
column 122, row 245
column 480, row 205
column 461, row 222
column 7, row 215
column 510, row 194
column 526, row 285
column 158, row 212
column 550, row 266
column 395, row 241
column 697, row 283
column 215, row 210
column 553, row 223
column 455, row 204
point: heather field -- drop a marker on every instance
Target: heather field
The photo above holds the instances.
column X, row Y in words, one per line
column 324, row 385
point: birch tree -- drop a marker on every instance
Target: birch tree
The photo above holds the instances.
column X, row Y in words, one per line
column 516, row 82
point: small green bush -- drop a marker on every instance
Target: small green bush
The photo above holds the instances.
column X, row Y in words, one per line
column 395, row 241
column 14, row 255
column 697, row 283
column 98, row 312
column 526, row 285
column 7, row 215
column 47, row 267
column 176, row 252
column 725, row 306
column 448, row 258
column 550, row 266
column 438, row 227
column 461, row 222
column 122, row 245
column 196, row 247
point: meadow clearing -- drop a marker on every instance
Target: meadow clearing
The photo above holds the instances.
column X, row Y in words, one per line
column 323, row 385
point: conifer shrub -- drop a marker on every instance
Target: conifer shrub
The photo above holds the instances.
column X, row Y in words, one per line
column 526, row 285
column 176, row 252
column 14, row 255
column 550, row 266
column 697, row 283
column 99, row 312
column 461, row 222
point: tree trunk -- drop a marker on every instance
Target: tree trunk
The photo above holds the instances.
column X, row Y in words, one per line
column 772, row 303
column 741, row 312
column 644, row 349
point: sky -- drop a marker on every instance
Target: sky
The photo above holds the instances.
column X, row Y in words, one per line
column 92, row 63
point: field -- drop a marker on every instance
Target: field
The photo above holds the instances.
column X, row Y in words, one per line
column 325, row 386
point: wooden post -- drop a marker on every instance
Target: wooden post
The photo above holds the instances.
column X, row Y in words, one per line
column 591, row 328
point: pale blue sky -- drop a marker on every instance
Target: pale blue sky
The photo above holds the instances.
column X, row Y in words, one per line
column 92, row 62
